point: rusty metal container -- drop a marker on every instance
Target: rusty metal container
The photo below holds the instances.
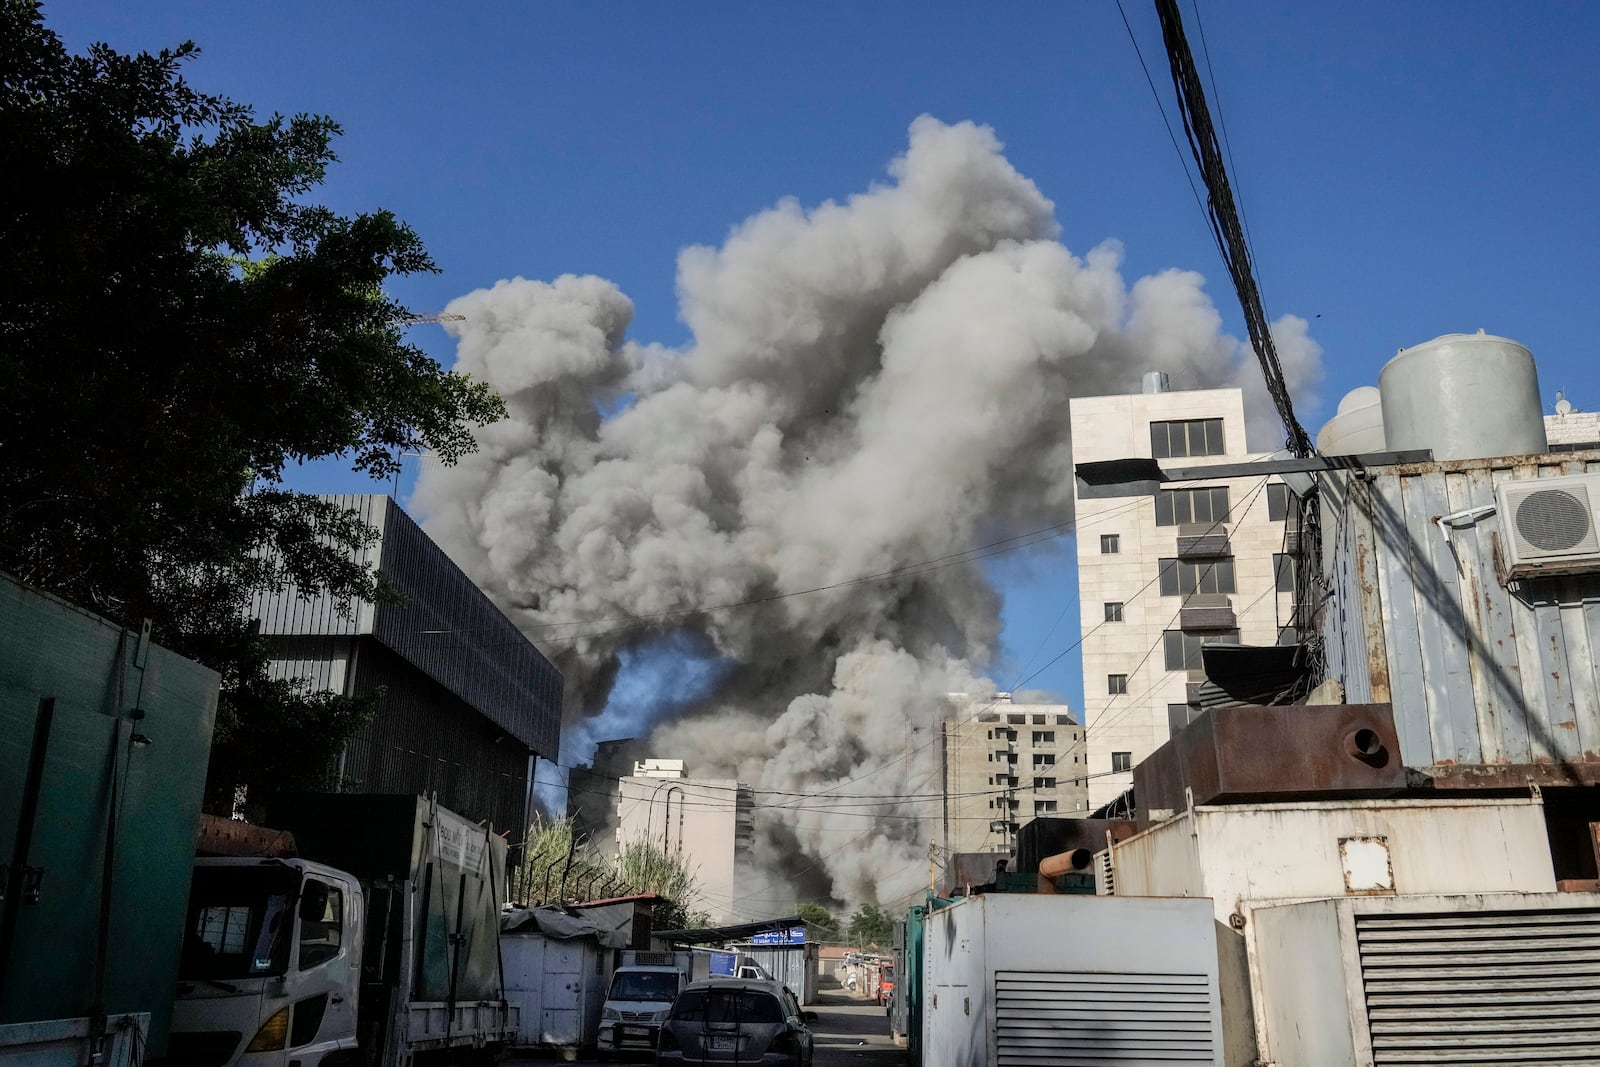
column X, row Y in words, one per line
column 1287, row 752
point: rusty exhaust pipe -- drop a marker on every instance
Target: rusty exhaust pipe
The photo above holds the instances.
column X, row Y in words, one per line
column 1076, row 859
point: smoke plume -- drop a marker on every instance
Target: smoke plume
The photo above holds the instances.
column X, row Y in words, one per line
column 870, row 384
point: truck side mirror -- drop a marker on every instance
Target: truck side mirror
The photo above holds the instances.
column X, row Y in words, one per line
column 313, row 900
column 808, row 1016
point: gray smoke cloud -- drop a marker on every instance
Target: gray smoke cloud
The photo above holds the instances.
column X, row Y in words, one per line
column 870, row 384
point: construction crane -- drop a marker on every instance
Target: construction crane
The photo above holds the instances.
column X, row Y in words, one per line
column 409, row 319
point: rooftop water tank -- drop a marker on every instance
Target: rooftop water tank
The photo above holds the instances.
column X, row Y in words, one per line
column 1464, row 396
column 1156, row 381
column 1357, row 428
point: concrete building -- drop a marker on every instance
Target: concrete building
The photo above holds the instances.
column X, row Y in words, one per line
column 709, row 822
column 466, row 701
column 1003, row 764
column 1165, row 569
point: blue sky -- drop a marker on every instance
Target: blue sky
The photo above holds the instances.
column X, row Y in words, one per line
column 1406, row 169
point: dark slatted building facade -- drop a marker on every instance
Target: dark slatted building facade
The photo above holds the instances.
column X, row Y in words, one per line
column 467, row 701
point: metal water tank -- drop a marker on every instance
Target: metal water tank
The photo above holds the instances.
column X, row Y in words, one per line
column 1464, row 396
column 1357, row 428
column 1156, row 381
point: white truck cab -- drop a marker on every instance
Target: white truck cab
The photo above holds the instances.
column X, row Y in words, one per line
column 271, row 963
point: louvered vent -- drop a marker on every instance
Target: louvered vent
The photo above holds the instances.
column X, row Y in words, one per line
column 1106, row 879
column 1082, row 1018
column 1482, row 989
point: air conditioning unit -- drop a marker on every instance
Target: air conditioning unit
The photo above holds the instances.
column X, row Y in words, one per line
column 1548, row 525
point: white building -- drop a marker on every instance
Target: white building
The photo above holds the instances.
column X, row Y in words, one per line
column 1166, row 568
column 709, row 822
column 1003, row 764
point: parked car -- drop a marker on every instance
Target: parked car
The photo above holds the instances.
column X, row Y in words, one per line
column 736, row 1020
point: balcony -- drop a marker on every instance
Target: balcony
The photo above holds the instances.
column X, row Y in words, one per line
column 1207, row 611
column 1203, row 540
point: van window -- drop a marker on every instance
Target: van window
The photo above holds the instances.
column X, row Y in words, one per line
column 644, row 985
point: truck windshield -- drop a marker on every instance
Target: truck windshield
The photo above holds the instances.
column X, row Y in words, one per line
column 238, row 922
column 644, row 985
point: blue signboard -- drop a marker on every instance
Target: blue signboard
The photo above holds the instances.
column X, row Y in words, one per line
column 795, row 935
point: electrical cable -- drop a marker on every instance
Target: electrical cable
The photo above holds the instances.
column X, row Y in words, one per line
column 1223, row 216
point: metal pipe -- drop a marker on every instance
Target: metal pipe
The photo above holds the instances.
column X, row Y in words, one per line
column 1076, row 859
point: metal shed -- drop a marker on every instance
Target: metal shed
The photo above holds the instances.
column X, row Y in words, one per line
column 1493, row 682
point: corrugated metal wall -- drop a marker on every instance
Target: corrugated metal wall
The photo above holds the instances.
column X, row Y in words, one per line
column 1477, row 673
column 446, row 626
column 450, row 629
column 287, row 612
column 426, row 739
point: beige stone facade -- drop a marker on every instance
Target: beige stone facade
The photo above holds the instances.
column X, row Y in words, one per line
column 1135, row 679
column 707, row 821
column 1005, row 763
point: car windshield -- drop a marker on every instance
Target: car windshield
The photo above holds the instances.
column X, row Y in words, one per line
column 644, row 985
column 728, row 1006
column 888, row 974
column 238, row 923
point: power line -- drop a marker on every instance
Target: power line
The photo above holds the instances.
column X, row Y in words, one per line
column 1223, row 216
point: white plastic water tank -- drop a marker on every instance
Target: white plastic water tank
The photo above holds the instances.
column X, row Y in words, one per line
column 1357, row 428
column 1156, row 381
column 1464, row 396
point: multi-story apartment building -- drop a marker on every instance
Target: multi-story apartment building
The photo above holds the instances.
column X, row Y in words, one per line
column 708, row 822
column 1004, row 763
column 1165, row 570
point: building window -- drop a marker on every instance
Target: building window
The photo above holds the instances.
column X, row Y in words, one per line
column 1043, row 807
column 1038, row 720
column 1011, row 757
column 1283, row 566
column 1000, row 757
column 1016, row 720
column 1113, row 611
column 1288, row 635
column 1110, row 544
column 1121, row 761
column 1280, row 502
column 1065, row 720
column 1179, row 716
column 1181, row 577
column 1043, row 762
column 1116, row 684
column 1176, row 507
column 1044, row 783
column 1183, row 649
column 1186, row 437
column 1044, row 737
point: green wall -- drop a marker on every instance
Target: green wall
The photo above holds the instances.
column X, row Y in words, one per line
column 93, row 670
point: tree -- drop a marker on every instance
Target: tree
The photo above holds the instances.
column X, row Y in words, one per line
column 178, row 326
column 820, row 922
column 871, row 927
column 561, row 865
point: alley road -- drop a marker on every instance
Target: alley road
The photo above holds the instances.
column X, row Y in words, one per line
column 849, row 1032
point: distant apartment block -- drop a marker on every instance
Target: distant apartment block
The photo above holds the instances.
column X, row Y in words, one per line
column 1004, row 763
column 708, row 822
column 1164, row 570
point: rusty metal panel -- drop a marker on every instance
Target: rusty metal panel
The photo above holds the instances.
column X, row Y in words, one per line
column 1491, row 684
column 1496, row 687
column 1442, row 625
column 1291, row 751
column 1401, row 642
